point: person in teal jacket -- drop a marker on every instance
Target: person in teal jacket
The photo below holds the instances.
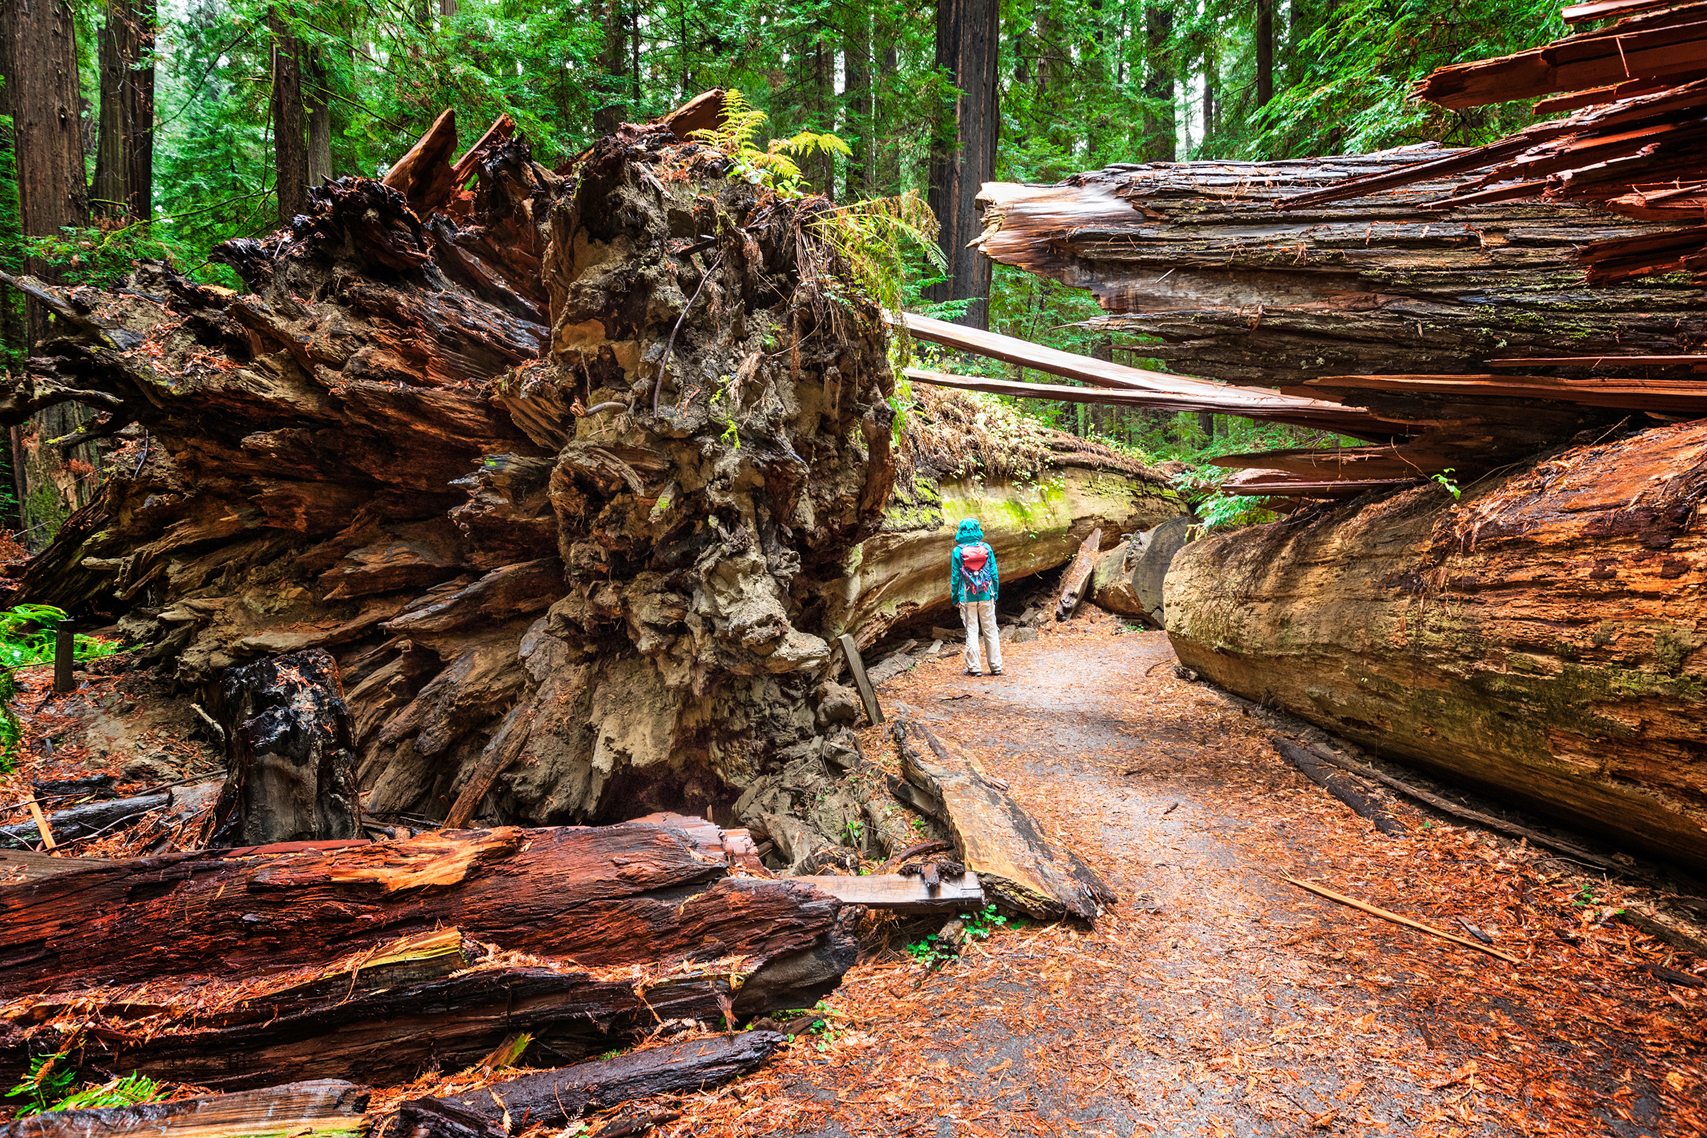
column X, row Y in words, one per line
column 973, row 584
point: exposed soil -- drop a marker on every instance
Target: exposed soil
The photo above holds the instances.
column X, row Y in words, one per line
column 1216, row 999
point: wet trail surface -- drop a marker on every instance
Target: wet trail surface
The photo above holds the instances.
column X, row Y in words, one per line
column 1215, row 998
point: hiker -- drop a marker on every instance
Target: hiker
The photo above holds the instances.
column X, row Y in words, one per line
column 973, row 584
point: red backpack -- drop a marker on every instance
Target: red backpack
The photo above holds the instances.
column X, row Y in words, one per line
column 976, row 569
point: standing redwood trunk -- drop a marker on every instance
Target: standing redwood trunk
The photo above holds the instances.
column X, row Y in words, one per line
column 42, row 77
column 289, row 128
column 856, row 65
column 124, row 159
column 1265, row 51
column 1159, row 129
column 319, row 104
column 963, row 154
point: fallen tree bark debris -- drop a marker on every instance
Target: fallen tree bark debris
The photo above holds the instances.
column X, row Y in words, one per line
column 1078, row 576
column 1342, row 788
column 556, row 1098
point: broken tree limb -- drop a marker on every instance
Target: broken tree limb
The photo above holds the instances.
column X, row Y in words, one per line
column 1341, row 787
column 1389, row 915
column 327, row 1108
column 1078, row 576
column 42, row 828
column 1019, row 870
column 558, row 1097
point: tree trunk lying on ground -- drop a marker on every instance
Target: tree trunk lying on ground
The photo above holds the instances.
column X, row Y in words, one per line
column 374, row 960
column 1077, row 578
column 327, row 1108
column 86, row 820
column 556, row 1098
column 563, row 472
column 1021, row 872
column 1545, row 637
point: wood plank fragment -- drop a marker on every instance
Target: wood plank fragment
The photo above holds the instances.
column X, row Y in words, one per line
column 1078, row 575
column 327, row 1108
column 856, row 665
column 1020, row 870
column 897, row 893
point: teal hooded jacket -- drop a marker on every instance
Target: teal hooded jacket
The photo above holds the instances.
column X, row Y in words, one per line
column 971, row 533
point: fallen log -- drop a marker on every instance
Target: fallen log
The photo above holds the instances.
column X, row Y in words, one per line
column 555, row 1098
column 1078, row 576
column 1341, row 787
column 84, row 821
column 368, row 960
column 321, row 1109
column 1541, row 638
column 1020, row 871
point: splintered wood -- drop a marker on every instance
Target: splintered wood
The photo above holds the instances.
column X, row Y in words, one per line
column 1021, row 871
column 372, row 960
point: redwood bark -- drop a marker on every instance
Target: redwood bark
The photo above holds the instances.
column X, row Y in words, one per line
column 368, row 961
column 290, row 139
column 963, row 150
column 1543, row 637
column 124, row 160
column 41, row 75
column 1265, row 51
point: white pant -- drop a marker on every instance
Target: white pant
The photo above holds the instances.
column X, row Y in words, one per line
column 981, row 615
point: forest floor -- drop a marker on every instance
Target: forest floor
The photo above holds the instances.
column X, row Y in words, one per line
column 1215, row 998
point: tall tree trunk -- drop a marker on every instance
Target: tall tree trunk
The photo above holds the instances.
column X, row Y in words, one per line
column 1265, row 52
column 889, row 161
column 42, row 77
column 447, row 10
column 1160, row 132
column 318, row 100
column 1210, row 76
column 289, row 130
column 963, row 151
column 856, row 66
column 613, row 64
column 124, row 149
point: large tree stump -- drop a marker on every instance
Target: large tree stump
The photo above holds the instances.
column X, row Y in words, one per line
column 1545, row 637
column 290, row 762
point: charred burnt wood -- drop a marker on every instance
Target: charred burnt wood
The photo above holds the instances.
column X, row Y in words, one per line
column 87, row 820
column 290, row 760
column 555, row 1098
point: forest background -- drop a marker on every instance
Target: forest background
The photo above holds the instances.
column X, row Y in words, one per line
column 160, row 130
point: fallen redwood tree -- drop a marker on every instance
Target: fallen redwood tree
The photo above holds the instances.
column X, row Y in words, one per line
column 375, row 960
column 1546, row 636
column 562, row 471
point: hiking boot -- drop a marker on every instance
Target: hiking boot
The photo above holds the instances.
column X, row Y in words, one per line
column 973, row 672
column 995, row 671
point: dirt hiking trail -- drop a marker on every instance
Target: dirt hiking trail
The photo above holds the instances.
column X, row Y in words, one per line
column 1216, row 999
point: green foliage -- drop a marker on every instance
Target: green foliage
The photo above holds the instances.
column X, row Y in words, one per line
column 48, row 1077
column 773, row 167
column 26, row 639
column 126, row 1090
column 1448, row 483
